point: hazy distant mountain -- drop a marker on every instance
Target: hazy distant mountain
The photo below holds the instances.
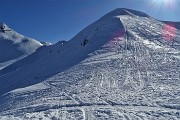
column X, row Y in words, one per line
column 125, row 65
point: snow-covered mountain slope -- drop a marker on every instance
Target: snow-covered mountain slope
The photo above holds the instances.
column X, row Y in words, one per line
column 120, row 67
column 14, row 46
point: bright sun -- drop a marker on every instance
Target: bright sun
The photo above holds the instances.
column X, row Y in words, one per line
column 164, row 3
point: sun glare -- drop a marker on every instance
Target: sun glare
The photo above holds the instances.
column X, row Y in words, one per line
column 164, row 3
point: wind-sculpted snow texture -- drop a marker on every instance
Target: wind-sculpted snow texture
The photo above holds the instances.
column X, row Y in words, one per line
column 126, row 71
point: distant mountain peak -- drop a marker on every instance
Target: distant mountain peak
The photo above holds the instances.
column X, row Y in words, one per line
column 14, row 46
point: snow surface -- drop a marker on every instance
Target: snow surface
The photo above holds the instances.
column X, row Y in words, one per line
column 126, row 71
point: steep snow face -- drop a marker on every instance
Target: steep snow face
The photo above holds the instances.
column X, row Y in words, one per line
column 119, row 67
column 14, row 46
column 53, row 59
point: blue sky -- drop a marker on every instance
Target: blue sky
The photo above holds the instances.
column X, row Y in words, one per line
column 54, row 20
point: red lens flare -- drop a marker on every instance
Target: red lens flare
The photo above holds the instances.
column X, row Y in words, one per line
column 169, row 32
